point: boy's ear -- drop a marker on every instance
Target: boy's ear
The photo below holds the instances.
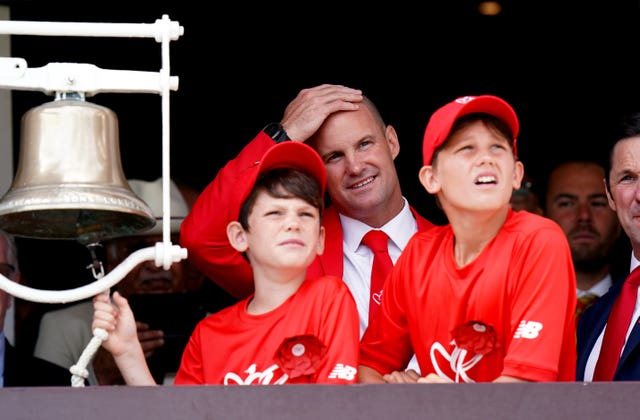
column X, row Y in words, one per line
column 518, row 175
column 428, row 179
column 237, row 236
column 321, row 237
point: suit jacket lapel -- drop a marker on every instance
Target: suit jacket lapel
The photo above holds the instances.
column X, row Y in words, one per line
column 632, row 343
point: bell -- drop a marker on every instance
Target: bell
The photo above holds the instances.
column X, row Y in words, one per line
column 69, row 182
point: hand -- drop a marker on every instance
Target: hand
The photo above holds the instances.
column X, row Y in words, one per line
column 308, row 111
column 432, row 378
column 408, row 376
column 122, row 342
column 149, row 339
column 117, row 320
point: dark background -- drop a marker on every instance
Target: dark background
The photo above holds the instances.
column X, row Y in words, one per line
column 568, row 69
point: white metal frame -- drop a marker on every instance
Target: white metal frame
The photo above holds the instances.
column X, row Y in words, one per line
column 89, row 79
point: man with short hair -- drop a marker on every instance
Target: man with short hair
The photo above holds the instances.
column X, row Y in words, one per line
column 608, row 332
column 576, row 199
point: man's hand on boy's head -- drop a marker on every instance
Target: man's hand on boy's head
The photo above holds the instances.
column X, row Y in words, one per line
column 310, row 108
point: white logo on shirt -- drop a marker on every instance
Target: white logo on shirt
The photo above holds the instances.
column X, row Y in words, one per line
column 262, row 378
column 342, row 371
column 457, row 362
column 528, row 329
column 377, row 297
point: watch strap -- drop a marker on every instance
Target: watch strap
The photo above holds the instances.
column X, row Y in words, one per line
column 276, row 131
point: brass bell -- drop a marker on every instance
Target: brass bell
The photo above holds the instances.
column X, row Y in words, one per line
column 69, row 182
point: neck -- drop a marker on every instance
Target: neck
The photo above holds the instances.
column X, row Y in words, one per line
column 586, row 280
column 473, row 232
column 271, row 291
column 377, row 217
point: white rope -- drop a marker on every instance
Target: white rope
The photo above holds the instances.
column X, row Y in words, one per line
column 79, row 371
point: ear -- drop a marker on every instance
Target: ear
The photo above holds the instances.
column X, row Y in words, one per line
column 428, row 179
column 392, row 139
column 612, row 203
column 237, row 236
column 321, row 237
column 518, row 175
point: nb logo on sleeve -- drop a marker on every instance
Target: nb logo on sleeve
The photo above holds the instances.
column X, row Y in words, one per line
column 342, row 371
column 528, row 329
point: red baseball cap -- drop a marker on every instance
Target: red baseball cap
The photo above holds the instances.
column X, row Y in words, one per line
column 442, row 120
column 288, row 154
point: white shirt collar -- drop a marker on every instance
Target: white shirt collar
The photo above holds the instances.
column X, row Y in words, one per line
column 400, row 229
column 598, row 289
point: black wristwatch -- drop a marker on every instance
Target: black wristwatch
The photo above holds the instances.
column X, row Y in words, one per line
column 276, row 132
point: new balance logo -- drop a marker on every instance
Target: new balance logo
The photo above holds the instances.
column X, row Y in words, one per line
column 528, row 329
column 341, row 371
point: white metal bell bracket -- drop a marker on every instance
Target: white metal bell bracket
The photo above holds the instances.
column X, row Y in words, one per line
column 90, row 80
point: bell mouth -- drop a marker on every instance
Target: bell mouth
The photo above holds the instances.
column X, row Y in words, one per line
column 86, row 213
column 69, row 183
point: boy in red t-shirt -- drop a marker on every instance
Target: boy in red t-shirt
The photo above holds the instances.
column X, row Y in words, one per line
column 491, row 295
column 290, row 330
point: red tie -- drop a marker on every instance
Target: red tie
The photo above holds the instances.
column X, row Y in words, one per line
column 377, row 241
column 616, row 330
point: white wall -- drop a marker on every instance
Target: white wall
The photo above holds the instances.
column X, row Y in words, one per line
column 6, row 151
column 6, row 136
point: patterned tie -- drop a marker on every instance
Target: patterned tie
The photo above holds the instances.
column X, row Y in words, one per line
column 377, row 241
column 616, row 330
column 583, row 303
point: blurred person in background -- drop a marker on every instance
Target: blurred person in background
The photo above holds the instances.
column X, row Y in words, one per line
column 576, row 199
column 525, row 197
column 19, row 368
column 64, row 333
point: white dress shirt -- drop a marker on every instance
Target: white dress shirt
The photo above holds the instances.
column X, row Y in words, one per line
column 598, row 289
column 358, row 258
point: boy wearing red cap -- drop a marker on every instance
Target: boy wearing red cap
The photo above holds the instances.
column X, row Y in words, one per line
column 491, row 295
column 291, row 330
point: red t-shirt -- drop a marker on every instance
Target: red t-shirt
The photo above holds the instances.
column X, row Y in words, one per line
column 521, row 286
column 233, row 347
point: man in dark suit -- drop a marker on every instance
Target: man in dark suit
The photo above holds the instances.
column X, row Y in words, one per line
column 622, row 181
column 19, row 369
